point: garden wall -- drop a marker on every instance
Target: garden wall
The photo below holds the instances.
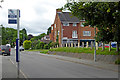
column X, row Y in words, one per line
column 101, row 58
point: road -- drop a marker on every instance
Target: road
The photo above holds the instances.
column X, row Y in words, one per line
column 35, row 65
column 0, row 66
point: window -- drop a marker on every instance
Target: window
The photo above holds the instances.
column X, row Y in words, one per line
column 86, row 33
column 90, row 26
column 55, row 32
column 74, row 24
column 58, row 32
column 74, row 34
column 52, row 27
column 65, row 24
column 82, row 24
column 55, row 25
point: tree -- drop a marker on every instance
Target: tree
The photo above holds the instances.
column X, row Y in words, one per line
column 9, row 36
column 104, row 15
column 27, row 44
column 48, row 30
column 40, row 36
column 1, row 2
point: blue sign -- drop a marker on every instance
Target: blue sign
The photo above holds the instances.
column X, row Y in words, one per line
column 12, row 16
column 12, row 21
column 17, row 57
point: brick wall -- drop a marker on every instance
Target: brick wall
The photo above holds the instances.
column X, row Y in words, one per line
column 67, row 30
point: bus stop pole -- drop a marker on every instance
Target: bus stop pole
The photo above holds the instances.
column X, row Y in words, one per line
column 18, row 71
column 95, row 45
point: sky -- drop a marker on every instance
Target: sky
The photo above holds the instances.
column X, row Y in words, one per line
column 36, row 15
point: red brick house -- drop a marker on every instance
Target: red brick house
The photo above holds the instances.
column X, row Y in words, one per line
column 69, row 29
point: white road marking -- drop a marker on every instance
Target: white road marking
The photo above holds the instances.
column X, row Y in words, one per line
column 20, row 70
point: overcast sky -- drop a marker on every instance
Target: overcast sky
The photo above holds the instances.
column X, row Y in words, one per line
column 36, row 15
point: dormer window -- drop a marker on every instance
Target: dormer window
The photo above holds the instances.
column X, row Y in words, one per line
column 65, row 24
column 74, row 24
column 82, row 24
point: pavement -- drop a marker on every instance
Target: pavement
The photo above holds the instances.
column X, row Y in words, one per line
column 9, row 69
column 0, row 67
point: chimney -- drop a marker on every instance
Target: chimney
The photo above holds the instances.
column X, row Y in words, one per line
column 58, row 11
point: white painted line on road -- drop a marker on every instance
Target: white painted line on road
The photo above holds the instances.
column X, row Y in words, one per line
column 23, row 74
column 20, row 70
column 11, row 61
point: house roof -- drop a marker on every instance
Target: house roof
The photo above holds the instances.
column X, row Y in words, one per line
column 47, row 36
column 67, row 17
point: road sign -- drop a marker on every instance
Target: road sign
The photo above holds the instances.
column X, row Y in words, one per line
column 13, row 18
column 12, row 13
column 12, row 21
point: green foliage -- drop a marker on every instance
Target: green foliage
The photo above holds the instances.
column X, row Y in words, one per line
column 117, row 61
column 40, row 45
column 27, row 44
column 46, row 46
column 104, row 15
column 9, row 36
column 41, row 50
column 48, row 30
column 53, row 44
column 39, row 36
column 86, row 50
column 44, row 51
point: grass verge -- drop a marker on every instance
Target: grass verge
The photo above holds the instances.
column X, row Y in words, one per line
column 86, row 50
column 41, row 50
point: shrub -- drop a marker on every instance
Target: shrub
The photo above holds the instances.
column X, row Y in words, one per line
column 27, row 44
column 40, row 45
column 53, row 44
column 117, row 61
column 46, row 46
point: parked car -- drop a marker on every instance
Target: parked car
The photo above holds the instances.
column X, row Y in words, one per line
column 113, row 44
column 107, row 45
column 21, row 48
column 5, row 50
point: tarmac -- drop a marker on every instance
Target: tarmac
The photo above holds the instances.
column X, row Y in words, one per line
column 10, row 73
column 102, row 65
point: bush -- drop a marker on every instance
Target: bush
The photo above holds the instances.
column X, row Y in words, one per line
column 46, row 46
column 117, row 61
column 40, row 45
column 27, row 44
column 53, row 44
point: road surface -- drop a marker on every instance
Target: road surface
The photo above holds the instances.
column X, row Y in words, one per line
column 35, row 65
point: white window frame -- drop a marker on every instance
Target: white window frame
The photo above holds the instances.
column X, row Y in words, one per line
column 65, row 24
column 55, row 25
column 51, row 27
column 74, row 34
column 90, row 26
column 82, row 24
column 74, row 24
column 86, row 33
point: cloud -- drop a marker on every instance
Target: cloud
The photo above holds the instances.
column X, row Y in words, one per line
column 36, row 15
